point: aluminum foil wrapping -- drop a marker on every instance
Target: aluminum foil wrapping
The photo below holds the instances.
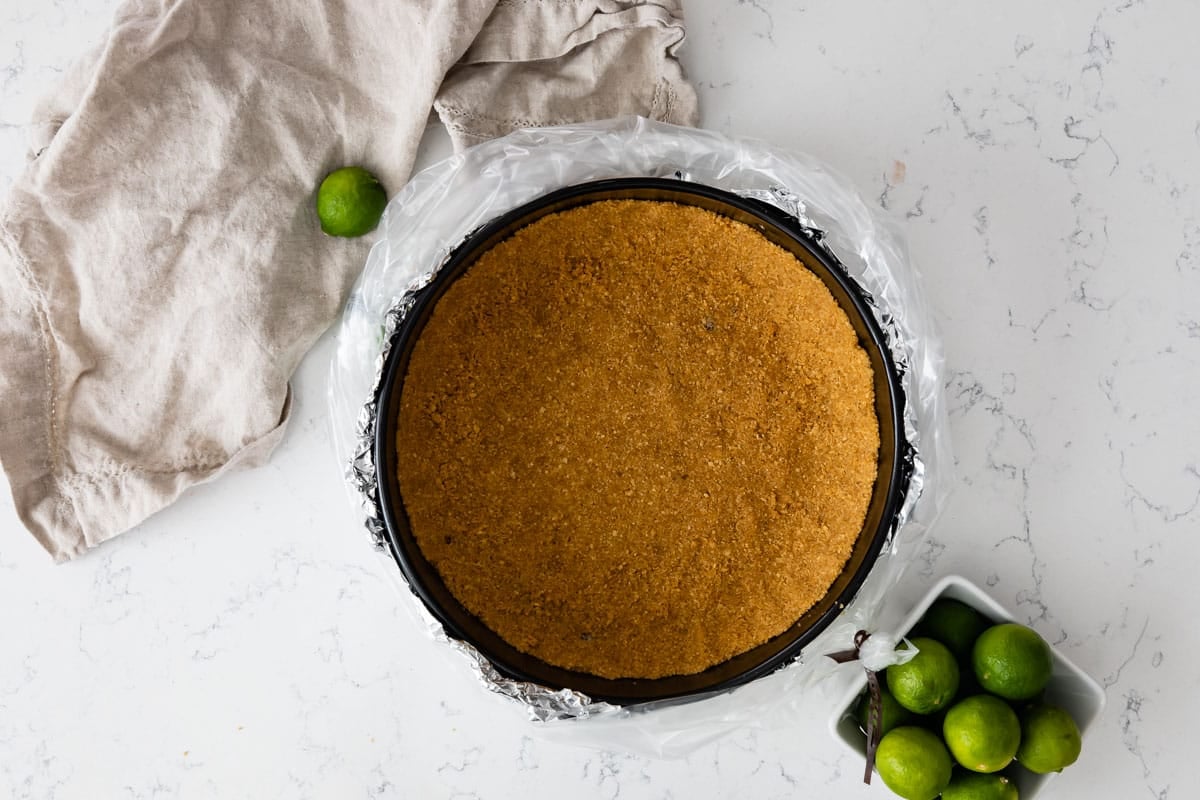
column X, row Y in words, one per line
column 444, row 204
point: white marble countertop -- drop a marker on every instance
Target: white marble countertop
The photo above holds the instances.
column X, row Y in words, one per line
column 1044, row 159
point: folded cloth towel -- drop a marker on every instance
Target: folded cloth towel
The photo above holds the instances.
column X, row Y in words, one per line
column 162, row 270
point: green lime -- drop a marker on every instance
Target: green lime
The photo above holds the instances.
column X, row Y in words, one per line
column 927, row 682
column 974, row 786
column 350, row 202
column 1012, row 661
column 892, row 713
column 982, row 732
column 1049, row 740
column 954, row 624
column 913, row 763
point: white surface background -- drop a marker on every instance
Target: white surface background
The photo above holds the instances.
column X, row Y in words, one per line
column 1044, row 159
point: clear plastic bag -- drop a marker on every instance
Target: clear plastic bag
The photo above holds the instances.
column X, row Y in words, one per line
column 443, row 204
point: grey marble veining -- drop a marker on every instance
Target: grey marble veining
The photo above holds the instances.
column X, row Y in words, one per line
column 1044, row 162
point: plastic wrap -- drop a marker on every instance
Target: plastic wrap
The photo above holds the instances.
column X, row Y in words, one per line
column 443, row 204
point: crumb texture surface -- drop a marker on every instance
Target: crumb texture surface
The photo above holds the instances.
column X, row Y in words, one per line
column 637, row 439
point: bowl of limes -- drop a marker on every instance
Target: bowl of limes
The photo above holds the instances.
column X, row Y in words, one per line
column 986, row 709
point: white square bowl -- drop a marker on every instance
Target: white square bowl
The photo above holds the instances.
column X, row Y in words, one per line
column 1069, row 686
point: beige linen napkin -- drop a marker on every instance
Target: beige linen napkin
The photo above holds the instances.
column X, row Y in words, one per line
column 162, row 270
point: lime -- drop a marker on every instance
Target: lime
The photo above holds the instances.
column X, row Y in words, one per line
column 954, row 624
column 1049, row 740
column 913, row 763
column 350, row 202
column 967, row 686
column 927, row 682
column 982, row 733
column 1012, row 661
column 974, row 786
column 892, row 713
